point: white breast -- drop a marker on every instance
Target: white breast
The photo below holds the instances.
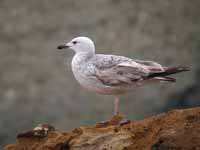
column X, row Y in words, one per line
column 83, row 72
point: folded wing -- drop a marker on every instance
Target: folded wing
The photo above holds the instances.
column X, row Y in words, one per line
column 129, row 72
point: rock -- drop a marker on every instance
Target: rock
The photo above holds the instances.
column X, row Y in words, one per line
column 41, row 130
column 175, row 130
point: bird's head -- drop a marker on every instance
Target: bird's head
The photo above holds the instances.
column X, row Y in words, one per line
column 80, row 44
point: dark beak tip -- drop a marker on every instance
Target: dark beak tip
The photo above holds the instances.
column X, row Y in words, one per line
column 62, row 47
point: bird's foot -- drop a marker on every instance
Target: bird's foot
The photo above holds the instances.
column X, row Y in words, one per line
column 116, row 120
column 124, row 122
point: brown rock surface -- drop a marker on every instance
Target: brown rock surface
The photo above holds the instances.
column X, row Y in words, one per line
column 175, row 130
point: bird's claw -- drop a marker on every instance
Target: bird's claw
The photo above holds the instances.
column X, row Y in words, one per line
column 116, row 120
column 124, row 122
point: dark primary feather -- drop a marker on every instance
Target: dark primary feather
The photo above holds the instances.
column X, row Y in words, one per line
column 169, row 71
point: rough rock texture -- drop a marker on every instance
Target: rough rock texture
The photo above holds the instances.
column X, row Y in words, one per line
column 175, row 130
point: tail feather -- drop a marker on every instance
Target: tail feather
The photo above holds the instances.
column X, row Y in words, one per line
column 163, row 76
column 168, row 79
column 174, row 70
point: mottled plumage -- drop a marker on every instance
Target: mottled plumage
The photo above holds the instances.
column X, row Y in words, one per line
column 111, row 74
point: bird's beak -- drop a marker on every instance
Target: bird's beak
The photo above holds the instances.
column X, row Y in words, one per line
column 63, row 46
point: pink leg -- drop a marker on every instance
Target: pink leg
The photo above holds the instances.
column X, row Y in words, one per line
column 116, row 106
column 117, row 119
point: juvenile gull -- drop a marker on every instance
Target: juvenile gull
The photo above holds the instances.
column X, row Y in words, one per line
column 111, row 74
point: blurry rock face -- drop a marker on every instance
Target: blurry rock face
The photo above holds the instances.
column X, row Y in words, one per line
column 178, row 129
column 36, row 82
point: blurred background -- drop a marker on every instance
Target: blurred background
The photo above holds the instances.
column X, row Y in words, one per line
column 36, row 81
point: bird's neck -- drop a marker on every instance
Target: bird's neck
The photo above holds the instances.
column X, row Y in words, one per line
column 83, row 56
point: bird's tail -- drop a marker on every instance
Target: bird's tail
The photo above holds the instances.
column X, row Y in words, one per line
column 174, row 70
column 163, row 76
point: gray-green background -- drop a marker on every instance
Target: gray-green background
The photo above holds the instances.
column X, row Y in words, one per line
column 36, row 82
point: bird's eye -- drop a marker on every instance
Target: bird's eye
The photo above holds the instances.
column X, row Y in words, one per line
column 74, row 42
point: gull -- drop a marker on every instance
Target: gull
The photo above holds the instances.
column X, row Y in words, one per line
column 112, row 74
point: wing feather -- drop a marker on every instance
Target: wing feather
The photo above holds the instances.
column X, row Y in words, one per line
column 122, row 74
column 115, row 70
column 154, row 67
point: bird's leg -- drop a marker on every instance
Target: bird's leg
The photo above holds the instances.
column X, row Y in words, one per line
column 117, row 119
column 116, row 106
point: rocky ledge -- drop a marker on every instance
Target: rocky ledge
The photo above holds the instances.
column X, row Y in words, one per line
column 175, row 130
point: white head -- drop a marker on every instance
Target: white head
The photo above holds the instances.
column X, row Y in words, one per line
column 80, row 44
